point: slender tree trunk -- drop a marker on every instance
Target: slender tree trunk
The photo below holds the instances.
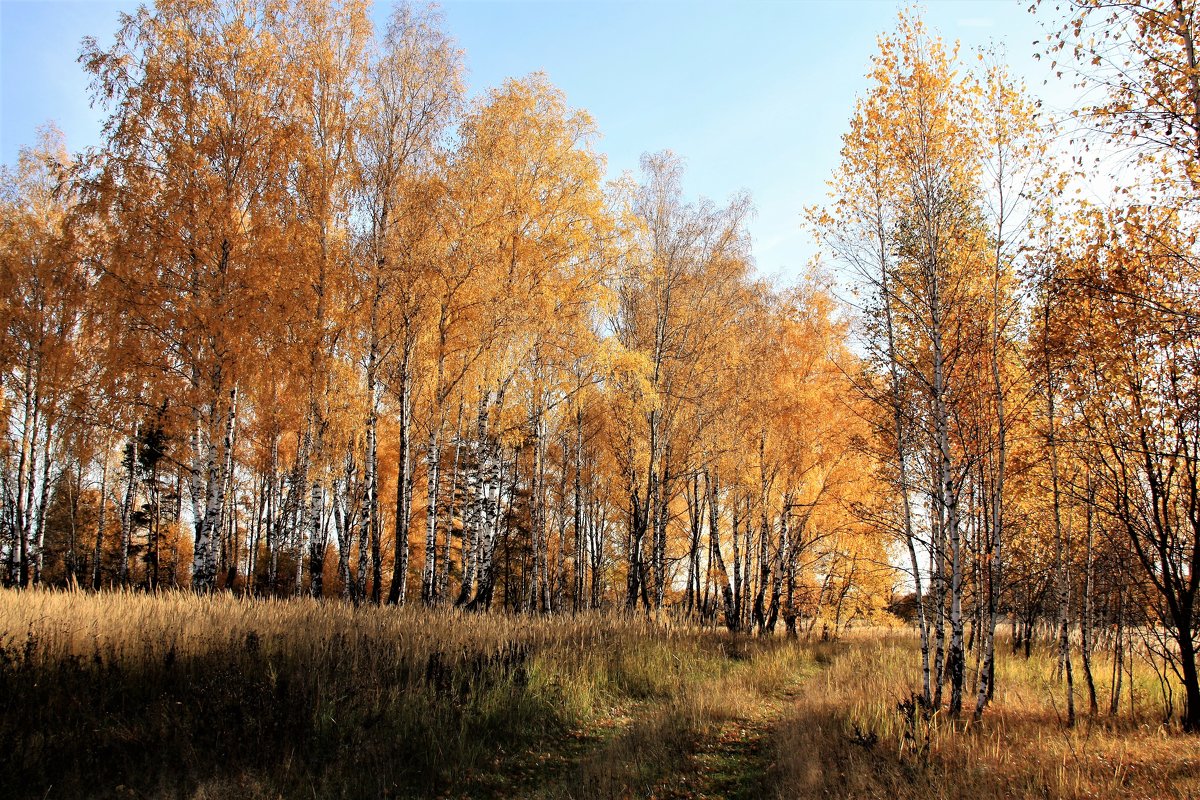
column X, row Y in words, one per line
column 151, row 577
column 43, row 501
column 131, row 461
column 343, row 526
column 937, row 557
column 695, row 511
column 1085, row 625
column 1118, row 655
column 637, row 533
column 579, row 565
column 374, row 532
column 362, row 563
column 25, row 469
column 254, row 535
column 597, row 556
column 777, row 569
column 433, row 455
column 948, row 500
column 764, row 565
column 398, row 590
column 443, row 580
column 101, row 518
column 560, row 556
column 987, row 671
column 747, row 565
column 274, row 519
column 661, row 512
column 540, row 586
column 1062, row 584
column 732, row 620
column 314, row 527
column 795, row 541
column 735, row 522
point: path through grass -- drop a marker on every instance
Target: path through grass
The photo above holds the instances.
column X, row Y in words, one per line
column 129, row 695
column 829, row 724
column 711, row 735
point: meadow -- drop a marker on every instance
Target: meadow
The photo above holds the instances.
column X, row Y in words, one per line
column 179, row 696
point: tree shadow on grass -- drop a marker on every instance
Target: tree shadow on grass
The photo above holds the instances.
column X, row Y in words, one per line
column 241, row 717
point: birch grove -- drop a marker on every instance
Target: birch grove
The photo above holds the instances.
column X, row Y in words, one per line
column 314, row 320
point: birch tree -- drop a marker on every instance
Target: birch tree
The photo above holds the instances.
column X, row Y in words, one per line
column 192, row 185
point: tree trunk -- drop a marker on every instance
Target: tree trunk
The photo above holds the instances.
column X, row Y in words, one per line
column 1085, row 624
column 398, row 590
column 101, row 518
column 443, row 579
column 732, row 620
column 205, row 556
column 433, row 456
column 25, row 469
column 127, row 506
column 579, row 565
column 1062, row 584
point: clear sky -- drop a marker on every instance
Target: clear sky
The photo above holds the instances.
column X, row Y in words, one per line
column 754, row 95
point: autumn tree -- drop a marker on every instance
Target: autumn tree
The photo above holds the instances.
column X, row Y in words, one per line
column 929, row 211
column 414, row 88
column 1136, row 268
column 682, row 260
column 1135, row 381
column 42, row 284
column 193, row 187
column 528, row 216
column 303, row 272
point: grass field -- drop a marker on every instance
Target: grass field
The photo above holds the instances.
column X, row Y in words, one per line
column 129, row 695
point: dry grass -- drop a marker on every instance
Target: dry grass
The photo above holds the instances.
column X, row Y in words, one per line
column 846, row 737
column 177, row 695
column 664, row 746
column 180, row 696
column 129, row 695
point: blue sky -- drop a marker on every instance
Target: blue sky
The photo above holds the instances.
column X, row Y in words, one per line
column 754, row 95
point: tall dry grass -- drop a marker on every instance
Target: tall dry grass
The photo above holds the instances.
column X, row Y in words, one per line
column 133, row 695
column 856, row 733
column 176, row 695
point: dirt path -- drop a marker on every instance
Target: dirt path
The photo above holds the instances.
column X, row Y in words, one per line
column 654, row 750
column 737, row 762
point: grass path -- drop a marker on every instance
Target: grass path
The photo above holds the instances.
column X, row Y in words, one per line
column 672, row 750
column 820, row 720
column 737, row 762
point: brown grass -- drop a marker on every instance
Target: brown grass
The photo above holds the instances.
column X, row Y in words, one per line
column 181, row 696
column 846, row 737
column 129, row 695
